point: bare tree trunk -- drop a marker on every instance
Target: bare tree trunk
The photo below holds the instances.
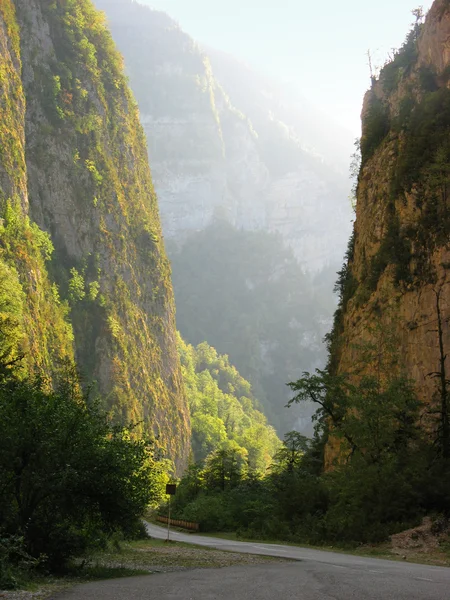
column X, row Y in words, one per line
column 445, row 423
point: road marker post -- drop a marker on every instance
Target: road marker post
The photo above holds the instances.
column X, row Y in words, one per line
column 171, row 489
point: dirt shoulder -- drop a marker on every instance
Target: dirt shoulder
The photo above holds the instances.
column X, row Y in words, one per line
column 139, row 558
column 428, row 543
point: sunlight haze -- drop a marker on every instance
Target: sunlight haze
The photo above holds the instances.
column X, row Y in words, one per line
column 319, row 46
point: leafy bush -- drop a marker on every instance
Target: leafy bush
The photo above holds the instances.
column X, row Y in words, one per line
column 11, row 317
column 369, row 502
column 15, row 562
column 427, row 79
column 76, row 286
column 211, row 512
column 67, row 478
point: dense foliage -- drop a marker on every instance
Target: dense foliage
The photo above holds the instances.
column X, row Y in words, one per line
column 68, row 479
column 246, row 294
column 376, row 127
column 384, row 480
column 224, row 412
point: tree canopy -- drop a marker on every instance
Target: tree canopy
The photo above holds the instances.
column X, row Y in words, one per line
column 223, row 408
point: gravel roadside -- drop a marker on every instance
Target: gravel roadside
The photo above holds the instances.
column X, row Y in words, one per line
column 149, row 556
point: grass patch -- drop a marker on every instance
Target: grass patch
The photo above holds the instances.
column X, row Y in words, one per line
column 144, row 557
column 156, row 556
column 102, row 571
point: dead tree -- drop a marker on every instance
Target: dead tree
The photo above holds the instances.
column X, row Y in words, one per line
column 443, row 382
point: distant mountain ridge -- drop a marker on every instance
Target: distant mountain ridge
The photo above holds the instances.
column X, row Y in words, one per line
column 225, row 140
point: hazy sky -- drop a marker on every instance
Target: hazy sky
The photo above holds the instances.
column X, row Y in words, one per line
column 319, row 44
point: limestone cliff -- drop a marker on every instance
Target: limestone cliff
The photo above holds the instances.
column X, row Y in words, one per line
column 74, row 164
column 28, row 302
column 222, row 140
column 397, row 276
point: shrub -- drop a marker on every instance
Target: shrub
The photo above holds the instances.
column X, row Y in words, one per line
column 15, row 562
column 211, row 512
column 68, row 479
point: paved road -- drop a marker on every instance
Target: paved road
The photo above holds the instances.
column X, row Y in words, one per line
column 317, row 575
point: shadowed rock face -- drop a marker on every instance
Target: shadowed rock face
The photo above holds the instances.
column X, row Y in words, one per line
column 87, row 182
column 399, row 269
column 223, row 140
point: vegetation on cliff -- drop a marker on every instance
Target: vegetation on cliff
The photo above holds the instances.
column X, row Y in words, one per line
column 29, row 300
column 405, row 127
column 79, row 221
column 396, row 269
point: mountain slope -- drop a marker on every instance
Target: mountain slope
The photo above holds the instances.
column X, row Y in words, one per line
column 306, row 194
column 88, row 184
column 245, row 293
column 241, row 158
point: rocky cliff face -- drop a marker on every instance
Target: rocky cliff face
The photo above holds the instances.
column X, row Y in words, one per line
column 242, row 158
column 28, row 302
column 77, row 168
column 397, row 277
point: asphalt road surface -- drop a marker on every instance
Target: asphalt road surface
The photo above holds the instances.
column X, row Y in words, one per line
column 316, row 575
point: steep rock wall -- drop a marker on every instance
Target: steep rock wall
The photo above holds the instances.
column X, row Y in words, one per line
column 398, row 272
column 88, row 184
column 29, row 302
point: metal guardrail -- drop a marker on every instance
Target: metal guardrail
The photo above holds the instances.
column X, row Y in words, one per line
column 176, row 523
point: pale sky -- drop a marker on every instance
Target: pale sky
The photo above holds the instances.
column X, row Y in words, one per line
column 320, row 45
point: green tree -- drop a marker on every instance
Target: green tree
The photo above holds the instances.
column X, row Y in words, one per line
column 375, row 485
column 67, row 478
column 223, row 408
column 371, row 419
column 291, row 453
column 208, row 433
column 226, row 467
column 77, row 290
